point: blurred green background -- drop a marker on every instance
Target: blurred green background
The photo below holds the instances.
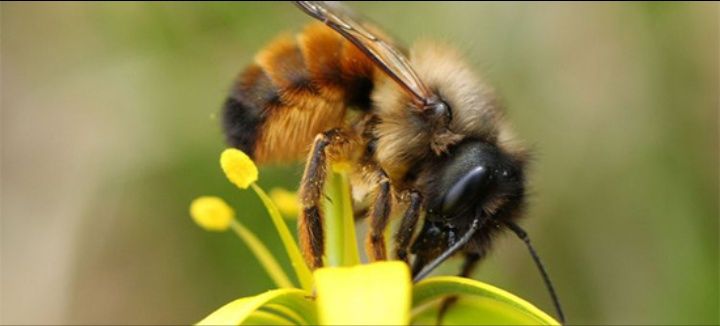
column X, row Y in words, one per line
column 109, row 129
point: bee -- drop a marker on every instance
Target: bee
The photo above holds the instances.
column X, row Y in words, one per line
column 422, row 134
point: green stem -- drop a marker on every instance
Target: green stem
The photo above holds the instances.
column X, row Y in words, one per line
column 296, row 260
column 262, row 254
column 341, row 245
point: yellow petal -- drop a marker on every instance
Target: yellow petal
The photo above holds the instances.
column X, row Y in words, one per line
column 373, row 294
column 232, row 313
column 483, row 303
column 211, row 213
column 238, row 167
column 238, row 311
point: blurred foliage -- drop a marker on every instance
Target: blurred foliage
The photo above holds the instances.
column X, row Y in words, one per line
column 619, row 102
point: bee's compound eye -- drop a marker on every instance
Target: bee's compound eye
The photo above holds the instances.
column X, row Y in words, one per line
column 467, row 189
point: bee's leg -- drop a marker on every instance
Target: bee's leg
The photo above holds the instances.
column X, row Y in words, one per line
column 379, row 214
column 310, row 227
column 360, row 213
column 407, row 226
column 471, row 262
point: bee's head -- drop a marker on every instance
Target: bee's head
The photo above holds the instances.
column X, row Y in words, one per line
column 476, row 178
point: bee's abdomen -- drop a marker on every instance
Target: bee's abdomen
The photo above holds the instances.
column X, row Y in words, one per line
column 297, row 88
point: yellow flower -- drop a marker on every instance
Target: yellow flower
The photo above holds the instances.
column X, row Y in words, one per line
column 211, row 213
column 286, row 201
column 380, row 293
column 346, row 293
column 373, row 294
column 238, row 167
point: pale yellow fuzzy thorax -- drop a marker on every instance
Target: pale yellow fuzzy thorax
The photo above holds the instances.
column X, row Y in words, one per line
column 403, row 137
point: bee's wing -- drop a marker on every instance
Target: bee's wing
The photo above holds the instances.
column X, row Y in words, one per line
column 383, row 53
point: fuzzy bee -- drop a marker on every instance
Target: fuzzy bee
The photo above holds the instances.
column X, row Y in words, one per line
column 423, row 134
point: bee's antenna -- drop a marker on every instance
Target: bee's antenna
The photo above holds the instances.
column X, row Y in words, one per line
column 450, row 251
column 524, row 237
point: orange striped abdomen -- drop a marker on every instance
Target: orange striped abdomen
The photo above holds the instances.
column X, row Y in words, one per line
column 297, row 88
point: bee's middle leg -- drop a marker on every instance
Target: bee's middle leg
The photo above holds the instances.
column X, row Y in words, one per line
column 310, row 221
column 407, row 226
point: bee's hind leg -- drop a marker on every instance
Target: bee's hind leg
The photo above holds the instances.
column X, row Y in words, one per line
column 310, row 221
column 407, row 226
column 471, row 262
column 379, row 214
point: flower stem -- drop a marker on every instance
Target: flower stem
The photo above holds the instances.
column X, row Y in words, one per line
column 296, row 260
column 340, row 223
column 262, row 254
